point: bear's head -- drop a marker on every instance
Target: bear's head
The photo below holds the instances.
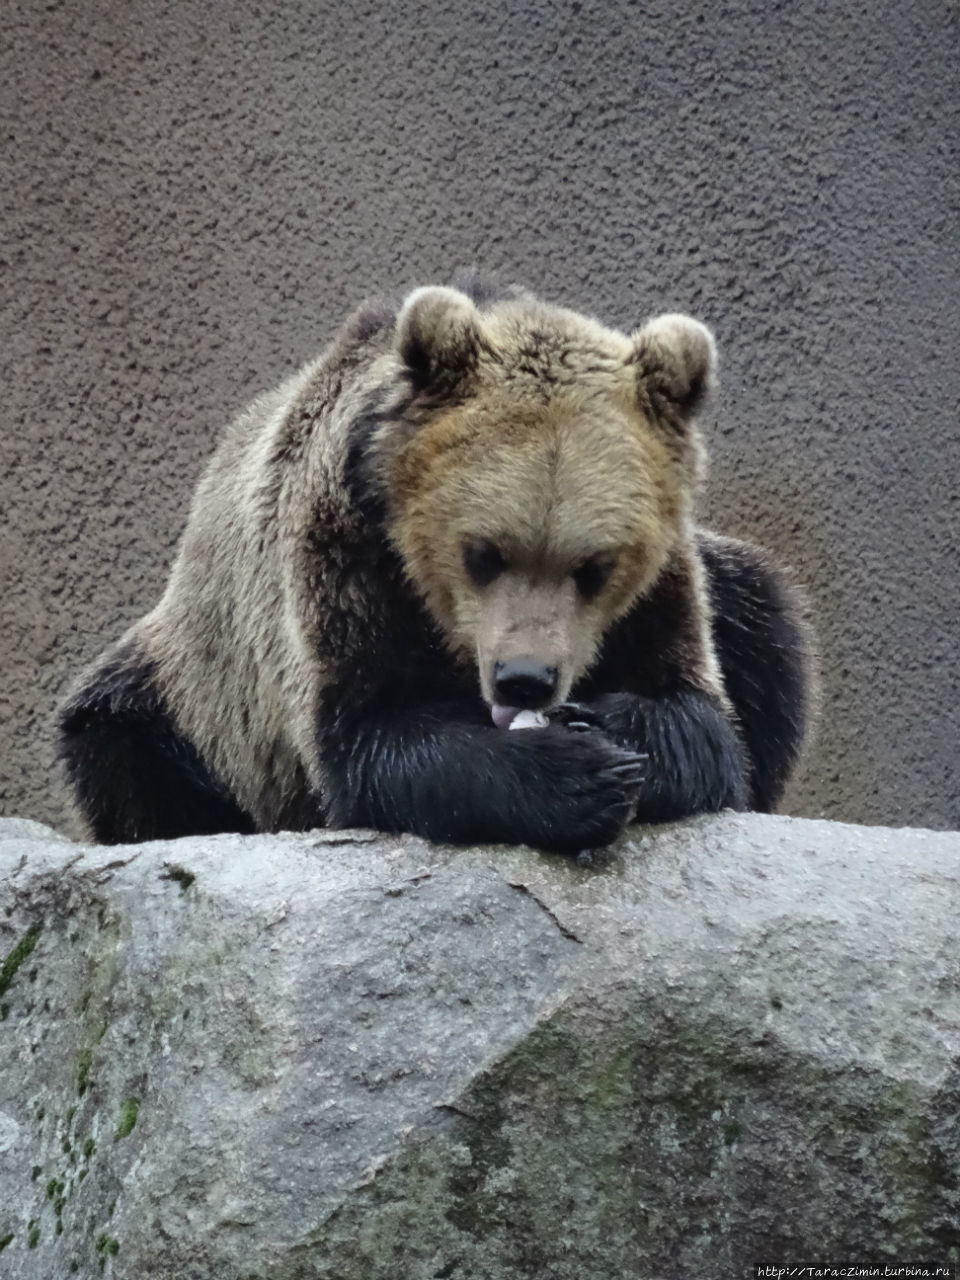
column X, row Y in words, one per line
column 541, row 478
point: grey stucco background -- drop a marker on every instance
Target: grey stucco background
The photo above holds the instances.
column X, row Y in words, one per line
column 193, row 195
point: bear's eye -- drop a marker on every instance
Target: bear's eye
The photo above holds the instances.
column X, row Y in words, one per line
column 482, row 561
column 592, row 576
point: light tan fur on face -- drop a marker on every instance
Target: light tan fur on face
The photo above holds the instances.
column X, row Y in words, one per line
column 551, row 458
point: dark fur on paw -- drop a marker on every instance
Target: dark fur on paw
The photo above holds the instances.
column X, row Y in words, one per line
column 588, row 786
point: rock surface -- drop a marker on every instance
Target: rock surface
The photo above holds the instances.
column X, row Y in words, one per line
column 731, row 1042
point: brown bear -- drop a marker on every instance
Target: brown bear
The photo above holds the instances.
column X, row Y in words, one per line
column 469, row 507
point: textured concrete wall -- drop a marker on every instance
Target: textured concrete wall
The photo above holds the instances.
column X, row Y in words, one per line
column 193, row 194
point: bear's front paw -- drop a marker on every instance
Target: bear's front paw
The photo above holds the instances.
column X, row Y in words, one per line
column 616, row 715
column 587, row 790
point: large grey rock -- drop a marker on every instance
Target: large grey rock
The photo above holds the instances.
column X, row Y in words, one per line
column 733, row 1042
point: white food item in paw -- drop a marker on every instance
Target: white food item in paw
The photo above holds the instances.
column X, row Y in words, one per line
column 529, row 720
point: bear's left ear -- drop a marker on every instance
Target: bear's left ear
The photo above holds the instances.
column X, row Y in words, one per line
column 676, row 361
column 438, row 335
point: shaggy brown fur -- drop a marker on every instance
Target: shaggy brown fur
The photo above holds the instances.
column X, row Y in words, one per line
column 459, row 491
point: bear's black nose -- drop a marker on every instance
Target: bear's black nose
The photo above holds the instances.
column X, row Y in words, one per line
column 524, row 682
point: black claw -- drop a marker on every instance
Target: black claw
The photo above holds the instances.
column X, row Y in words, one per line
column 629, row 766
column 574, row 715
column 629, row 779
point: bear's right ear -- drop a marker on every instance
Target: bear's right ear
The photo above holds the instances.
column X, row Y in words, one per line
column 438, row 335
column 676, row 361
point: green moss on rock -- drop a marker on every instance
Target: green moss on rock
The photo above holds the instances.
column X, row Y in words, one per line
column 129, row 1110
column 84, row 1063
column 8, row 970
column 731, row 1132
column 183, row 877
column 107, row 1247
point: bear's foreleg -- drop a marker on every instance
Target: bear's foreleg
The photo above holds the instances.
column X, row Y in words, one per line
column 764, row 649
column 427, row 773
column 135, row 777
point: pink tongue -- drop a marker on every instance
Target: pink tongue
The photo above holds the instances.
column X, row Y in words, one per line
column 503, row 716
